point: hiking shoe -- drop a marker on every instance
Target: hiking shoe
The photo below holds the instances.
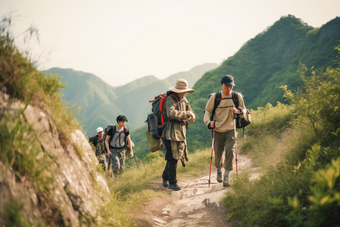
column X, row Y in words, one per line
column 165, row 183
column 226, row 181
column 174, row 187
column 219, row 175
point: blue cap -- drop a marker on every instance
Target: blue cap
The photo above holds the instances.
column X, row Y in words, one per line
column 228, row 80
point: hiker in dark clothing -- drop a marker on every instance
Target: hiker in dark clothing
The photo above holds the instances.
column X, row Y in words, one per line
column 224, row 143
column 117, row 139
column 98, row 142
column 176, row 113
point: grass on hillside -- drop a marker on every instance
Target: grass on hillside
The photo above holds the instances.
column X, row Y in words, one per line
column 266, row 135
column 302, row 187
column 20, row 148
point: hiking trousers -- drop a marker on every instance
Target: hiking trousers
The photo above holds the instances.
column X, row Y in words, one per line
column 224, row 148
column 117, row 160
column 101, row 160
column 170, row 170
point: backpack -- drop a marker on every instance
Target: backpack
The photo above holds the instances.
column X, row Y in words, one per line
column 93, row 140
column 155, row 119
column 112, row 135
column 240, row 122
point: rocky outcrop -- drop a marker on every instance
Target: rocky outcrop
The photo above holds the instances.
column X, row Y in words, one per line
column 71, row 195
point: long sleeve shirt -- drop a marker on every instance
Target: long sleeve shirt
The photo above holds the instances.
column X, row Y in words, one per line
column 178, row 111
column 223, row 115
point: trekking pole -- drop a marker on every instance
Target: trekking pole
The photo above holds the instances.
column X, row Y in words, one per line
column 235, row 136
column 134, row 162
column 212, row 151
column 105, row 162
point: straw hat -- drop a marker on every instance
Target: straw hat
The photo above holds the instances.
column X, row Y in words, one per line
column 181, row 86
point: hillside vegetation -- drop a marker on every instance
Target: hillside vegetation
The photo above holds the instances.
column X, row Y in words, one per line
column 260, row 67
column 265, row 63
column 101, row 103
column 41, row 176
column 297, row 147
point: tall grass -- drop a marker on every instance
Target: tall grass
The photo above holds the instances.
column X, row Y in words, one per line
column 267, row 134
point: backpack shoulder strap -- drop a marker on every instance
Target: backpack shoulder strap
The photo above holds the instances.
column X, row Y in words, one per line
column 113, row 130
column 175, row 96
column 217, row 101
column 125, row 139
column 235, row 99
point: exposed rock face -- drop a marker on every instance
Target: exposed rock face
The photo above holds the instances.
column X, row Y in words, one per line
column 73, row 192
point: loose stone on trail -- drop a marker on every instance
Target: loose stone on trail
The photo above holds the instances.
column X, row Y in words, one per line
column 198, row 204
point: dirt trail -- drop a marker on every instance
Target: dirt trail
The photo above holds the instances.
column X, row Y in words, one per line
column 196, row 204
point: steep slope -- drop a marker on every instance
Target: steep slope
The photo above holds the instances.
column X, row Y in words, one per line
column 86, row 91
column 260, row 67
column 48, row 174
column 272, row 59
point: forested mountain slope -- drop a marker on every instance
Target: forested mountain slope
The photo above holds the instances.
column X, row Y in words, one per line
column 101, row 103
column 263, row 64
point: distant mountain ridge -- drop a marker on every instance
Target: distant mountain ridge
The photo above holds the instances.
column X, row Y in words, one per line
column 260, row 67
column 101, row 103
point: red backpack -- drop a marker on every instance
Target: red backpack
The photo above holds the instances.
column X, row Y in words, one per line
column 155, row 119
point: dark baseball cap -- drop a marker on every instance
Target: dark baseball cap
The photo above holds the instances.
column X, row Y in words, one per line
column 228, row 80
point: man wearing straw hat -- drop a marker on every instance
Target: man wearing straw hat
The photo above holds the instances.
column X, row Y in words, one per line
column 176, row 112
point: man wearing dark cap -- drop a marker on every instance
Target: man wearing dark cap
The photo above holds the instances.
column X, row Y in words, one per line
column 176, row 111
column 224, row 128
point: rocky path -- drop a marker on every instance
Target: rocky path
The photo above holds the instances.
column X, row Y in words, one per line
column 196, row 204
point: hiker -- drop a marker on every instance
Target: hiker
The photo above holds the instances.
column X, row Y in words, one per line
column 176, row 114
column 116, row 144
column 98, row 142
column 224, row 132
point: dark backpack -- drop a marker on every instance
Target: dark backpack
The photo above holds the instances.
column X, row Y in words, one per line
column 240, row 122
column 155, row 119
column 93, row 140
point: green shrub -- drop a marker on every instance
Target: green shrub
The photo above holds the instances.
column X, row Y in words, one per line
column 303, row 189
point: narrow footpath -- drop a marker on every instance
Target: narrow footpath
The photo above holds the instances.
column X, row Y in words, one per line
column 196, row 204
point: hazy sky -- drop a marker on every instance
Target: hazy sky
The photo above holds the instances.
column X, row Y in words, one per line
column 121, row 40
